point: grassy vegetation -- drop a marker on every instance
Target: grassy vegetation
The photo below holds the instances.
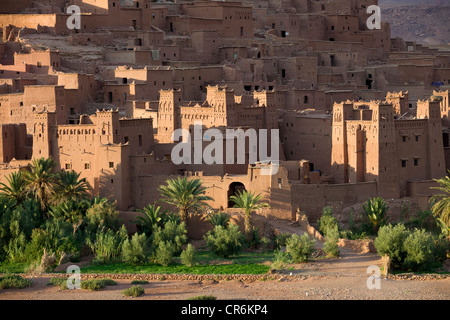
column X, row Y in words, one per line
column 14, row 282
column 135, row 291
column 246, row 263
column 139, row 282
column 14, row 267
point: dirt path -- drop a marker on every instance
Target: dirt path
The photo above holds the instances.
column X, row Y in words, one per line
column 311, row 288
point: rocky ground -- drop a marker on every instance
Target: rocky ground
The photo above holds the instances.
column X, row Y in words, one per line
column 423, row 21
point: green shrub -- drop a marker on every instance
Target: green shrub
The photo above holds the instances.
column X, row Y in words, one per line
column 165, row 252
column 219, row 219
column 280, row 240
column 225, row 242
column 107, row 246
column 135, row 251
column 14, row 282
column 419, row 247
column 93, row 285
column 265, row 244
column 135, row 291
column 203, row 298
column 108, row 282
column 300, row 248
column 188, row 256
column 139, row 282
column 390, row 242
column 327, row 221
column 173, row 232
column 350, row 235
column 280, row 260
column 442, row 248
column 56, row 281
column 97, row 284
column 102, row 215
column 331, row 247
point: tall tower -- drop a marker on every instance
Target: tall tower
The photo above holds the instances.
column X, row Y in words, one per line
column 108, row 126
column 42, row 134
column 385, row 150
column 169, row 102
column 339, row 152
column 268, row 99
column 431, row 110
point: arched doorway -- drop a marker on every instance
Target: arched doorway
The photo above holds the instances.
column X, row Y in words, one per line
column 232, row 190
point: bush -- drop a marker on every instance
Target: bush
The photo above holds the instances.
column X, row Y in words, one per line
column 203, row 298
column 218, row 219
column 188, row 256
column 97, row 284
column 280, row 260
column 225, row 242
column 419, row 247
column 331, row 247
column 135, row 291
column 390, row 242
column 102, row 215
column 107, row 245
column 327, row 221
column 173, row 232
column 280, row 240
column 442, row 248
column 165, row 252
column 135, row 251
column 265, row 244
column 93, row 285
column 139, row 282
column 14, row 282
column 300, row 248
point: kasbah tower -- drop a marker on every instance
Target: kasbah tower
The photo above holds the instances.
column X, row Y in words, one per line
column 358, row 113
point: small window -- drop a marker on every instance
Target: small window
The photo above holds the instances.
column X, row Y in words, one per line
column 68, row 166
column 140, row 140
column 403, row 163
column 404, row 139
column 111, row 164
column 87, row 166
column 417, row 138
column 416, row 162
column 125, row 139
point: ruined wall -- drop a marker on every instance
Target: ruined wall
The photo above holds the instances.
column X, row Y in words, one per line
column 311, row 199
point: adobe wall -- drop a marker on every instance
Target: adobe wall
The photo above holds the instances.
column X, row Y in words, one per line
column 312, row 198
column 422, row 188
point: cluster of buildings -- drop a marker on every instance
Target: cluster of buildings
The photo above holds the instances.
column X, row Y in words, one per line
column 359, row 114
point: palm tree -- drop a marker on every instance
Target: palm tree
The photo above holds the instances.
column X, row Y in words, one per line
column 41, row 180
column 441, row 202
column 185, row 195
column 375, row 209
column 71, row 187
column 15, row 190
column 249, row 202
column 152, row 216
